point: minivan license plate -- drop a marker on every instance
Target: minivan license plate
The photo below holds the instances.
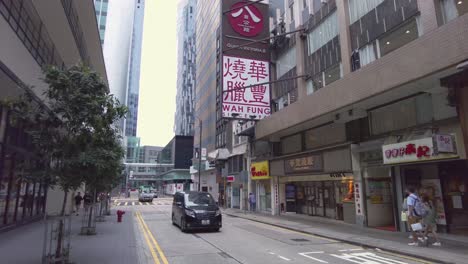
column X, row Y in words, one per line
column 205, row 222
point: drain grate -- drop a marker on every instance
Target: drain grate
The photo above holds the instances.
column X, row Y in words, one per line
column 300, row 240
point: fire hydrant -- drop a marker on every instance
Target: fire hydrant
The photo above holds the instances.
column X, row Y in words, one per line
column 120, row 213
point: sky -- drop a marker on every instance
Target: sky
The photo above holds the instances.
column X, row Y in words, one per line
column 158, row 73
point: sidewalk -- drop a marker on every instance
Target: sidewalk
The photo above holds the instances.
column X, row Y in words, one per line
column 114, row 243
column 454, row 248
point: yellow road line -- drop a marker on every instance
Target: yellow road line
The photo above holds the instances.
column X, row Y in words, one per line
column 148, row 242
column 161, row 254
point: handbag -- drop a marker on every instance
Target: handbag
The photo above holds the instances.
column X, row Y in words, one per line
column 416, row 227
column 404, row 216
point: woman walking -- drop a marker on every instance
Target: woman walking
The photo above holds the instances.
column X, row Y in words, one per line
column 430, row 221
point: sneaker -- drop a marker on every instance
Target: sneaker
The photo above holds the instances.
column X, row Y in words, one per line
column 437, row 244
column 413, row 244
column 422, row 239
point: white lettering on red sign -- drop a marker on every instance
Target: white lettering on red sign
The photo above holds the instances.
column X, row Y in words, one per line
column 249, row 103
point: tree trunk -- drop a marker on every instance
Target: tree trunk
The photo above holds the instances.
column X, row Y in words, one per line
column 58, row 251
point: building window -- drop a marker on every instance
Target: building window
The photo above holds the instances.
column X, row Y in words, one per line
column 286, row 62
column 358, row 8
column 291, row 12
column 398, row 38
column 291, row 144
column 452, row 9
column 332, row 74
column 310, row 87
column 367, row 54
column 323, row 33
column 141, row 169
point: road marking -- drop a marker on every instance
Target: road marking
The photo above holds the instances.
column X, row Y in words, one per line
column 352, row 249
column 297, row 232
column 126, row 203
column 281, row 257
column 367, row 258
column 148, row 242
column 133, row 203
column 305, row 254
column 140, row 203
column 161, row 254
column 404, row 257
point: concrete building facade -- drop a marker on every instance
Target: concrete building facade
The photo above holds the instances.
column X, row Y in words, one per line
column 379, row 85
column 36, row 34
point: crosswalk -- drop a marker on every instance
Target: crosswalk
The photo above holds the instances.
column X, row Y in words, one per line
column 141, row 203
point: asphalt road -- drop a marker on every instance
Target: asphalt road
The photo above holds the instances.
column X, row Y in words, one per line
column 239, row 241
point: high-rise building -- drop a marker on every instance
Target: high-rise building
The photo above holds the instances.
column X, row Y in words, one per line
column 36, row 34
column 134, row 69
column 101, row 7
column 121, row 26
column 186, row 68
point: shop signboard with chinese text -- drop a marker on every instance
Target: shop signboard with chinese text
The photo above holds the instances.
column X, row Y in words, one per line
column 244, row 22
column 260, row 170
column 413, row 151
column 303, row 164
column 240, row 102
column 358, row 201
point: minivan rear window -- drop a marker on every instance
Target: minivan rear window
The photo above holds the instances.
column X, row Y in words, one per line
column 199, row 199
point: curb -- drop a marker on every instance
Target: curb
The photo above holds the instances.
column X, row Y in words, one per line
column 365, row 245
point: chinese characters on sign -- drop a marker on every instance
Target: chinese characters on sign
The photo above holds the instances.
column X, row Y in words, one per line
column 260, row 170
column 246, row 20
column 308, row 163
column 358, row 198
column 411, row 151
column 444, row 144
column 249, row 103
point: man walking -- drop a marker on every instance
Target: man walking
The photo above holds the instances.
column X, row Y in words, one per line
column 412, row 202
column 87, row 200
column 252, row 202
column 78, row 199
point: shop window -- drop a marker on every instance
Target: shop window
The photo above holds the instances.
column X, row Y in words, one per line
column 398, row 38
column 291, row 144
column 452, row 9
column 323, row 33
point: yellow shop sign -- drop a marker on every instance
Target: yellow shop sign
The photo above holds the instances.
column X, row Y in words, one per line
column 260, row 170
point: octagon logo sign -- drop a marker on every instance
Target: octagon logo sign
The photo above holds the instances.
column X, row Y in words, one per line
column 246, row 20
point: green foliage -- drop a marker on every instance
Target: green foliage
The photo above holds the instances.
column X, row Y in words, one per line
column 75, row 134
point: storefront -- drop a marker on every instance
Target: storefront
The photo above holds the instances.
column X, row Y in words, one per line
column 435, row 167
column 318, row 184
column 262, row 184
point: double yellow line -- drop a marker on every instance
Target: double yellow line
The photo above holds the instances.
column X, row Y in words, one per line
column 151, row 241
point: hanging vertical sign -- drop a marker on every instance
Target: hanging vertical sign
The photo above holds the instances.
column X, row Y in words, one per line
column 245, row 65
column 358, row 198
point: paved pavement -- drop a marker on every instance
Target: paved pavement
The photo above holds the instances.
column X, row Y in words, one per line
column 454, row 248
column 245, row 241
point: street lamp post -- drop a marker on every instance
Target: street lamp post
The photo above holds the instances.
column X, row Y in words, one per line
column 200, row 154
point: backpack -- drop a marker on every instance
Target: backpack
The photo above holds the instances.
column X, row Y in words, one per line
column 419, row 208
